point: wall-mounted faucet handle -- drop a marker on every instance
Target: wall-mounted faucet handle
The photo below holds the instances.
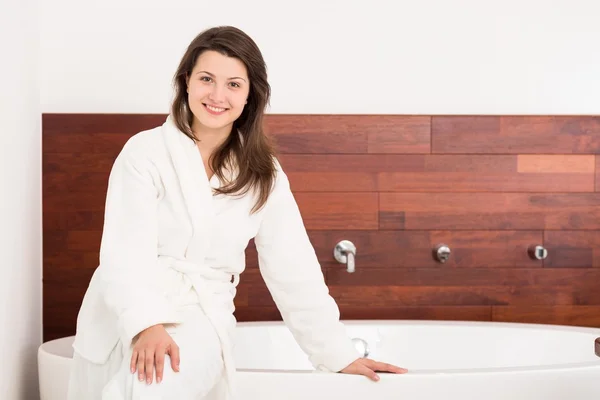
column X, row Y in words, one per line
column 537, row 252
column 441, row 253
column 345, row 253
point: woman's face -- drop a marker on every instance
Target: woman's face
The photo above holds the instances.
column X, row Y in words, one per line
column 218, row 88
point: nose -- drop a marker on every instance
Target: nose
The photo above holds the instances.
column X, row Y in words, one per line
column 217, row 94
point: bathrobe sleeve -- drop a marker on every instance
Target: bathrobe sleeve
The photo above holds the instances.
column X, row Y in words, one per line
column 129, row 271
column 293, row 275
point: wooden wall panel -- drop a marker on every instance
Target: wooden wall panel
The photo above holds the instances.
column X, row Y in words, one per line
column 597, row 173
column 516, row 134
column 440, row 173
column 486, row 210
column 413, row 249
column 573, row 249
column 487, row 186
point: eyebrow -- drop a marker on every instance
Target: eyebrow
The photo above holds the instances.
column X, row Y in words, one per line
column 208, row 73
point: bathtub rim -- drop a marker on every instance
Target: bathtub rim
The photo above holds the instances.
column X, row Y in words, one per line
column 458, row 323
column 567, row 367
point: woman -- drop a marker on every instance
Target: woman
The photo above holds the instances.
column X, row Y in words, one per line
column 183, row 201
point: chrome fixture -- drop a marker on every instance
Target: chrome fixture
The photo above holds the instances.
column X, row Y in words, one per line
column 345, row 253
column 361, row 346
column 537, row 252
column 441, row 253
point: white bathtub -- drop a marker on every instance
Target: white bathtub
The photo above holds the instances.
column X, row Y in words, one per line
column 446, row 360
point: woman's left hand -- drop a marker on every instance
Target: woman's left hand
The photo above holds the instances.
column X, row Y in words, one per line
column 369, row 368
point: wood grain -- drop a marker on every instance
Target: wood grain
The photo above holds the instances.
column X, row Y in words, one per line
column 557, row 315
column 407, row 249
column 456, row 277
column 572, row 249
column 390, row 312
column 349, row 134
column 580, row 293
column 400, row 134
column 597, row 173
column 516, row 134
column 395, row 185
column 55, row 125
column 338, row 210
column 438, row 173
column 489, row 211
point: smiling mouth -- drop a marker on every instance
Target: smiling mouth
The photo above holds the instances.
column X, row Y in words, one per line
column 214, row 110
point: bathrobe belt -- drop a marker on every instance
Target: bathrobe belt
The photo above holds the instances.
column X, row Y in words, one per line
column 214, row 292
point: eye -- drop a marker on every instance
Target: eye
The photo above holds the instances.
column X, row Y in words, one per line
column 205, row 78
column 235, row 84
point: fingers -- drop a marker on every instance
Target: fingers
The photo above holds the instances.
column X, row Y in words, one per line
column 160, row 363
column 368, row 372
column 174, row 353
column 384, row 367
column 134, row 357
column 140, row 365
column 149, row 365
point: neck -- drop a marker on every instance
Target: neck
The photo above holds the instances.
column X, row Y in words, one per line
column 213, row 136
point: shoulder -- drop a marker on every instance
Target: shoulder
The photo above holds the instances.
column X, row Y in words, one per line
column 144, row 147
column 144, row 143
column 142, row 152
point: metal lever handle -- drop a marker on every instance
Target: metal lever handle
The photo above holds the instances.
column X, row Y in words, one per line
column 345, row 253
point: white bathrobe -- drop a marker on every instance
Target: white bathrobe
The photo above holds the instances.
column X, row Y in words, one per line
column 172, row 252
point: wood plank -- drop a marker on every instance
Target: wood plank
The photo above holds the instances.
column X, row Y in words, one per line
column 320, row 133
column 556, row 164
column 396, row 249
column 56, row 183
column 73, row 220
column 79, row 162
column 489, row 211
column 68, row 143
column 580, row 293
column 598, row 173
column 85, row 124
column 516, row 134
column 79, row 201
column 332, row 182
column 484, row 182
column 400, row 134
column 338, row 210
column 572, row 249
column 448, row 313
column 356, row 163
column 558, row 315
column 61, row 303
column 456, row 277
column 73, row 265
column 427, row 173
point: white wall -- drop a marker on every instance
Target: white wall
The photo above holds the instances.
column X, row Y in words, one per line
column 20, row 200
column 335, row 56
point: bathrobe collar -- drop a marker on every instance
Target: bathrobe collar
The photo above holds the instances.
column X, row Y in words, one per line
column 195, row 187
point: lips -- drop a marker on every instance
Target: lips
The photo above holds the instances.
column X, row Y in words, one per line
column 214, row 110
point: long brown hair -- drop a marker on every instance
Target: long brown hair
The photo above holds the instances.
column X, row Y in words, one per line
column 254, row 159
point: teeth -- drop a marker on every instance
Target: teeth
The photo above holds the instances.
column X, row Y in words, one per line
column 215, row 109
